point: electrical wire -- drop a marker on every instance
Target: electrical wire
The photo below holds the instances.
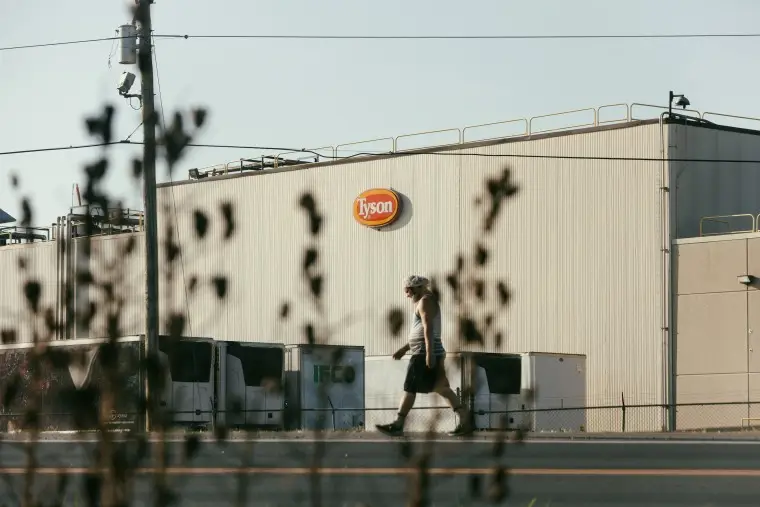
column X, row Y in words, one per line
column 171, row 179
column 454, row 152
column 64, row 43
column 466, row 37
column 134, row 131
column 62, row 148
column 407, row 37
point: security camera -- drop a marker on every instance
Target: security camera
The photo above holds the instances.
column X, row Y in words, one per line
column 125, row 82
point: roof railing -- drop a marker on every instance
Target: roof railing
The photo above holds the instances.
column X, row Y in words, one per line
column 16, row 234
column 594, row 119
column 727, row 221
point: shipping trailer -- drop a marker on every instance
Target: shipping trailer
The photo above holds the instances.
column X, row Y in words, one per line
column 68, row 395
column 529, row 390
column 324, row 387
column 250, row 379
column 189, row 391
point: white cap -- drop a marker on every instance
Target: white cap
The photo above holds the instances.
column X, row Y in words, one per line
column 415, row 281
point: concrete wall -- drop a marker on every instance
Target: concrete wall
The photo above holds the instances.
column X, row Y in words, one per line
column 717, row 329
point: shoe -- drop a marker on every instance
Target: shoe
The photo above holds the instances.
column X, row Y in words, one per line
column 462, row 430
column 393, row 429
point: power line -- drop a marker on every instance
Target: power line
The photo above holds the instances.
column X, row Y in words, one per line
column 60, row 148
column 51, row 44
column 174, row 200
column 412, row 153
column 405, row 37
column 140, row 143
column 465, row 37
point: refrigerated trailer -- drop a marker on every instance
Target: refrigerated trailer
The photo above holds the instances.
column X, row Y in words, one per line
column 190, row 388
column 521, row 389
column 324, row 387
column 204, row 379
column 553, row 391
column 250, row 380
column 65, row 400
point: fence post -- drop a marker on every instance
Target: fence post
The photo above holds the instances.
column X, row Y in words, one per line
column 622, row 396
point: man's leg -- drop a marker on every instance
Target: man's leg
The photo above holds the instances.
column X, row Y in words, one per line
column 444, row 389
column 407, row 402
column 396, row 428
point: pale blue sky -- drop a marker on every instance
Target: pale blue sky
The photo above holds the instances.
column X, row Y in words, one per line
column 310, row 93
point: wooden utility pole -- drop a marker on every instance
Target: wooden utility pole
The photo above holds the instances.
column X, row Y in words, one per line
column 149, row 116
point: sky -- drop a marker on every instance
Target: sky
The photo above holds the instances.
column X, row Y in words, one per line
column 314, row 93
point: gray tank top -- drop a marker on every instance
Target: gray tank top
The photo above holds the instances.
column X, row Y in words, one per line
column 417, row 335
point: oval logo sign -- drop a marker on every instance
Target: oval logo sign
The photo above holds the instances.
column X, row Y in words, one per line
column 377, row 207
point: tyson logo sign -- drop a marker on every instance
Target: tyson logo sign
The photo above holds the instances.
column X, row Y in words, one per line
column 377, row 207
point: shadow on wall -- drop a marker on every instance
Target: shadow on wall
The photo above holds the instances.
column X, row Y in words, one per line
column 405, row 216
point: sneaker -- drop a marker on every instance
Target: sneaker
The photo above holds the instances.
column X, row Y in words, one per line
column 462, row 430
column 393, row 429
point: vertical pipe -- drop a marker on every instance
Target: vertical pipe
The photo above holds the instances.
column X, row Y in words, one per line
column 666, row 278
column 68, row 284
column 58, row 277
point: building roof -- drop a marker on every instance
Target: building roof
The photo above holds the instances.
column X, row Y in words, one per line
column 274, row 163
column 5, row 218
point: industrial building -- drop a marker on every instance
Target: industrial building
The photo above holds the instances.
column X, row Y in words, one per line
column 603, row 248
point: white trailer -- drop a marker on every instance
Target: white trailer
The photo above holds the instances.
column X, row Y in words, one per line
column 189, row 392
column 324, row 387
column 552, row 385
column 543, row 388
column 526, row 388
column 85, row 370
column 250, row 379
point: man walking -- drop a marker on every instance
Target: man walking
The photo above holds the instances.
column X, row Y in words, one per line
column 425, row 372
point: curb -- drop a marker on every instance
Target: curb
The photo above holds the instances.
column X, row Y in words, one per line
column 375, row 437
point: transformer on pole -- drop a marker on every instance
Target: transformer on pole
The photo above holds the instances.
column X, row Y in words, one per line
column 127, row 44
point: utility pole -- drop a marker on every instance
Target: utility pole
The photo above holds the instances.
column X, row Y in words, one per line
column 145, row 64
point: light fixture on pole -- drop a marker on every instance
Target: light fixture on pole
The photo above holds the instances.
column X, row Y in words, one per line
column 682, row 101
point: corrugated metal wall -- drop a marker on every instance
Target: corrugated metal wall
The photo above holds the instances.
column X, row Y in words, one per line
column 108, row 263
column 15, row 313
column 580, row 247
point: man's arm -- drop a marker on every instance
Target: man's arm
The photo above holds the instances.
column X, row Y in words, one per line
column 427, row 311
column 400, row 352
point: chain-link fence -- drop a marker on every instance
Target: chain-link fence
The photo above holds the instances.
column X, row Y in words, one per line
column 689, row 417
column 702, row 417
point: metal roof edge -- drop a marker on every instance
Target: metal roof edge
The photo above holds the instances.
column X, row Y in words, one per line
column 716, row 237
column 426, row 150
column 689, row 121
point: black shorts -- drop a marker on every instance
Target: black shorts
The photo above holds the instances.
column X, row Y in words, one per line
column 420, row 378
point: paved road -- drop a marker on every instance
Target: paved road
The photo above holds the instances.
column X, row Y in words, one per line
column 376, row 472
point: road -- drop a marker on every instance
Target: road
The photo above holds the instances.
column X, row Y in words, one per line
column 375, row 472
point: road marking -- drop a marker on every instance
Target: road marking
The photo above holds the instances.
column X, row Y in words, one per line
column 403, row 471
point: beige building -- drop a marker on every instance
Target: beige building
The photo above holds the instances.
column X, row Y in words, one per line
column 585, row 246
column 718, row 329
